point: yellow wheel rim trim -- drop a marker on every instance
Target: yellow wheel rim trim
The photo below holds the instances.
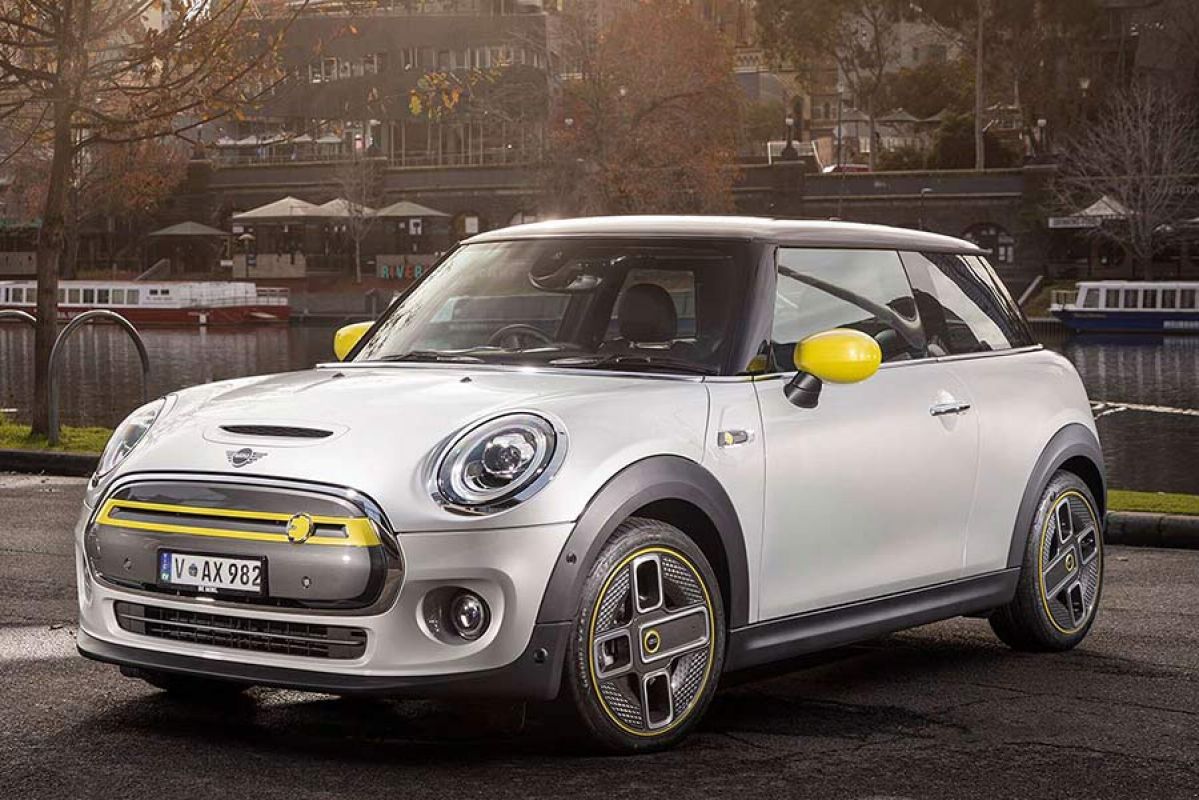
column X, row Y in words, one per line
column 591, row 640
column 1049, row 517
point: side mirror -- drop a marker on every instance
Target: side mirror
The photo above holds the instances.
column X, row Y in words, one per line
column 837, row 356
column 348, row 336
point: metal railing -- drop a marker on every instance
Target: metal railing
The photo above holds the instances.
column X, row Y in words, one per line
column 56, row 356
column 1062, row 297
column 23, row 316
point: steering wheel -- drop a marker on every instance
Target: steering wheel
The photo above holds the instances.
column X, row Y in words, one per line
column 518, row 336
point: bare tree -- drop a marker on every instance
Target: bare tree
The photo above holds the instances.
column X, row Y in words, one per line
column 75, row 73
column 358, row 182
column 859, row 36
column 1143, row 153
column 649, row 113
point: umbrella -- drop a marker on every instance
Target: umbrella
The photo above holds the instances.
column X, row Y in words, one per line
column 405, row 208
column 188, row 229
column 286, row 208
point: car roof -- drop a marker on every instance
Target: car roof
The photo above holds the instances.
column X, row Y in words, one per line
column 802, row 233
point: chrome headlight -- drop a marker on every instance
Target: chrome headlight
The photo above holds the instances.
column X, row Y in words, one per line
column 128, row 434
column 498, row 464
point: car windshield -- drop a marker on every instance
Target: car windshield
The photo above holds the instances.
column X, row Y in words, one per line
column 664, row 306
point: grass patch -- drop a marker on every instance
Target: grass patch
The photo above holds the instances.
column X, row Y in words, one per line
column 14, row 436
column 1155, row 502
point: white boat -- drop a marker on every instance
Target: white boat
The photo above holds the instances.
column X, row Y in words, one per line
column 1129, row 306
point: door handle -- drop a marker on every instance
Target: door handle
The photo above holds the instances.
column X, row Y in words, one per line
column 941, row 409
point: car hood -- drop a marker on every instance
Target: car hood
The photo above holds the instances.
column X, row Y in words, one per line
column 387, row 424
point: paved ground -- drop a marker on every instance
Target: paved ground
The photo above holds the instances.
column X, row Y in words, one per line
column 942, row 711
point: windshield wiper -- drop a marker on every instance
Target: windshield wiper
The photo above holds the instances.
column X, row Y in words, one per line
column 663, row 363
column 434, row 355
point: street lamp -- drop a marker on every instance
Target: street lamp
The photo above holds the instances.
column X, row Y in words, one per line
column 920, row 219
column 790, row 153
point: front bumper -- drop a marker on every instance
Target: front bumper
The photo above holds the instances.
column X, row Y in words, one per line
column 535, row 675
column 508, row 567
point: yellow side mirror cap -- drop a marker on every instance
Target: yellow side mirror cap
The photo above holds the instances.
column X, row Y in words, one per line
column 840, row 355
column 347, row 337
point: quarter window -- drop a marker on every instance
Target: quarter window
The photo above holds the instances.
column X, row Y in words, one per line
column 962, row 307
column 877, row 277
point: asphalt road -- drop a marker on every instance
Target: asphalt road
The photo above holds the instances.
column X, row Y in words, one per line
column 940, row 711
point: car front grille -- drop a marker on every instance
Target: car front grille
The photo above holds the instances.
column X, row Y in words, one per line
column 242, row 633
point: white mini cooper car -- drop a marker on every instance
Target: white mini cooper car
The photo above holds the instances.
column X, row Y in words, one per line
column 609, row 459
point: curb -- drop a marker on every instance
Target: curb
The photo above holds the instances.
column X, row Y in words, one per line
column 1141, row 529
column 80, row 465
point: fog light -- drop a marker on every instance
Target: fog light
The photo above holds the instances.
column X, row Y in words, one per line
column 468, row 615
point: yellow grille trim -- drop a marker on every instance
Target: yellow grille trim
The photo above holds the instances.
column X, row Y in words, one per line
column 360, row 531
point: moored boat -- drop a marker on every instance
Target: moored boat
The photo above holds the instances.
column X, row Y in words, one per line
column 160, row 302
column 1129, row 306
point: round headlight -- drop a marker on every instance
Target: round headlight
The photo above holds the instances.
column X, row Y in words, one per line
column 499, row 463
column 127, row 435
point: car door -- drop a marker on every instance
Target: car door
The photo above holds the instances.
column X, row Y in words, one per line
column 869, row 493
column 972, row 321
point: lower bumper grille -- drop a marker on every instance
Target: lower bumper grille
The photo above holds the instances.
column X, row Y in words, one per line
column 242, row 633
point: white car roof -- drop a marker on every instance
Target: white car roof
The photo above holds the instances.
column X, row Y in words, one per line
column 804, row 233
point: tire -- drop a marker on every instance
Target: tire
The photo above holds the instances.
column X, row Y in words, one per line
column 191, row 688
column 636, row 684
column 1061, row 576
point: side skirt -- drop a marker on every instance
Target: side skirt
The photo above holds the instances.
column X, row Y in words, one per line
column 774, row 640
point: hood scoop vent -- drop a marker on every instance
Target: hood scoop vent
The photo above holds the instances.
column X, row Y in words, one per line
column 278, row 431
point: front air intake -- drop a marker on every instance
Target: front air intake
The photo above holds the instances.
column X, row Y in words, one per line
column 304, row 639
column 279, row 431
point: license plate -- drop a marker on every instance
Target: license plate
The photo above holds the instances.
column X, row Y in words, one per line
column 211, row 574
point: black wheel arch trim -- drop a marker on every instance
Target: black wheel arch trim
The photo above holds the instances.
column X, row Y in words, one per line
column 1073, row 441
column 650, row 480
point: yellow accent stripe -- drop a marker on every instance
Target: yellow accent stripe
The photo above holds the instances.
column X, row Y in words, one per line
column 1062, row 498
column 591, row 640
column 360, row 532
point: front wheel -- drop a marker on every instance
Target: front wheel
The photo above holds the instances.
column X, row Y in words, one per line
column 649, row 639
column 1062, row 572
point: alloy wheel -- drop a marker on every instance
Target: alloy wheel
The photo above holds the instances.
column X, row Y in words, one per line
column 651, row 641
column 1070, row 562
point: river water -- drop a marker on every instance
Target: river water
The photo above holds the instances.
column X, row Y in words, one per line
column 102, row 382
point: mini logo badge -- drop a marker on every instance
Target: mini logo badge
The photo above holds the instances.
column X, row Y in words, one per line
column 299, row 528
column 1070, row 563
column 242, row 457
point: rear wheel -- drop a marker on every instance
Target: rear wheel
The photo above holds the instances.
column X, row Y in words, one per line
column 1062, row 572
column 649, row 640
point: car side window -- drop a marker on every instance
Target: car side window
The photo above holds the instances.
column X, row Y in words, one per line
column 876, row 276
column 960, row 307
column 1009, row 316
